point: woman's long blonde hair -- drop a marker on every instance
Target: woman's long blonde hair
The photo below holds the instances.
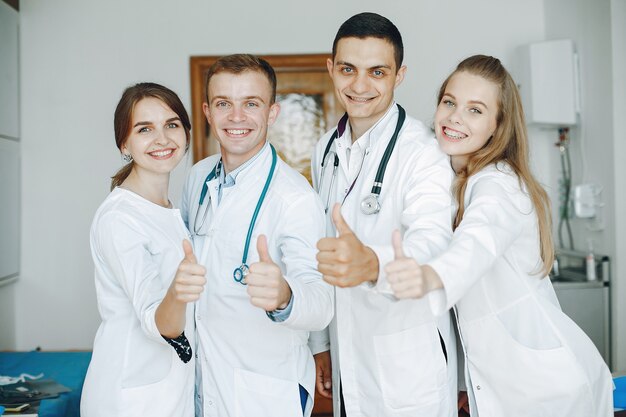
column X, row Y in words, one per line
column 509, row 143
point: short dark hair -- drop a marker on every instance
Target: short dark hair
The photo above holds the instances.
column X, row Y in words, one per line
column 371, row 25
column 238, row 63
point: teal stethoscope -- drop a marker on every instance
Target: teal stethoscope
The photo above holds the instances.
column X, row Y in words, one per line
column 370, row 203
column 239, row 274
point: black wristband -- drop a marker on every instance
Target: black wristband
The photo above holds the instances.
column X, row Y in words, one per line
column 181, row 346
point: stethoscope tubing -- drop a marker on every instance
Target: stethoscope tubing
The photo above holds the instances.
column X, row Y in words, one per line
column 382, row 166
column 240, row 272
column 258, row 207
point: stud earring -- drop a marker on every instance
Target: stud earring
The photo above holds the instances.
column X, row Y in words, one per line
column 127, row 157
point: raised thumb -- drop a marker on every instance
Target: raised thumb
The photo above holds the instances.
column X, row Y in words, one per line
column 188, row 249
column 396, row 241
column 261, row 247
column 340, row 223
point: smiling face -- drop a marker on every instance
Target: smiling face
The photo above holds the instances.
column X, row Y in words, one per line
column 365, row 76
column 239, row 111
column 466, row 116
column 157, row 139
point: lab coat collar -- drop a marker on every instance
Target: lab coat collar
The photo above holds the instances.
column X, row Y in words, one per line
column 231, row 178
column 254, row 167
column 247, row 169
column 374, row 132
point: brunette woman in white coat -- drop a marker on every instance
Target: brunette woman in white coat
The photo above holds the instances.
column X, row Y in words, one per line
column 146, row 272
column 524, row 356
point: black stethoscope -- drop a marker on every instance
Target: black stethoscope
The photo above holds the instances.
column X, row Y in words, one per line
column 239, row 274
column 370, row 203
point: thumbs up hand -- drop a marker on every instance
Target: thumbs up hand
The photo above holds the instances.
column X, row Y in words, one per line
column 407, row 278
column 345, row 261
column 267, row 287
column 189, row 280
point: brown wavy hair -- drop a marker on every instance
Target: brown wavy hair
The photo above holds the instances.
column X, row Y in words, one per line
column 124, row 117
column 509, row 143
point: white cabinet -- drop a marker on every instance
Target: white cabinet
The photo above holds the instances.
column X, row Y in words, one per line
column 587, row 304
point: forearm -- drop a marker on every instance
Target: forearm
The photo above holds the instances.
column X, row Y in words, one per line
column 431, row 279
column 170, row 317
column 312, row 305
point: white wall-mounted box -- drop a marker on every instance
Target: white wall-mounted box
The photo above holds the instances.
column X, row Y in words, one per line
column 547, row 76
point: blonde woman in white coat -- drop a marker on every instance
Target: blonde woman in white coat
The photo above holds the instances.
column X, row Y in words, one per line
column 524, row 356
column 146, row 272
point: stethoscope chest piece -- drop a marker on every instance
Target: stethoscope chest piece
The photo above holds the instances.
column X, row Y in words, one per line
column 239, row 274
column 370, row 204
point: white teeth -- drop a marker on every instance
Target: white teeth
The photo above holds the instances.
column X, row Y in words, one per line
column 361, row 100
column 161, row 153
column 453, row 134
column 237, row 131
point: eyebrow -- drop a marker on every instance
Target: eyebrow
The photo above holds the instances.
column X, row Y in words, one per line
column 243, row 98
column 471, row 101
column 172, row 119
column 375, row 67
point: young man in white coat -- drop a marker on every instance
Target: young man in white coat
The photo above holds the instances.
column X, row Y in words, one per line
column 389, row 357
column 255, row 223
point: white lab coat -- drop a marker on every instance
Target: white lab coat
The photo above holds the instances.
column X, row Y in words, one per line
column 524, row 356
column 136, row 248
column 251, row 365
column 388, row 352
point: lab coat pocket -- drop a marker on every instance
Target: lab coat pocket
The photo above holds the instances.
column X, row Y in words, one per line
column 527, row 324
column 144, row 400
column 549, row 375
column 145, row 361
column 263, row 395
column 412, row 367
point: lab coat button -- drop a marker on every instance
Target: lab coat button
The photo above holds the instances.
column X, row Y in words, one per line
column 210, row 402
column 478, row 387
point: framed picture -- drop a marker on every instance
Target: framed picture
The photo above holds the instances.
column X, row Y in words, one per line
column 307, row 100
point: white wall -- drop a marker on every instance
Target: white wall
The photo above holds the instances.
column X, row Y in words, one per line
column 618, row 25
column 78, row 56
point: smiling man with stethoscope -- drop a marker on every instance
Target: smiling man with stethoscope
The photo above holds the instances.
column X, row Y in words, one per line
column 254, row 222
column 377, row 171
